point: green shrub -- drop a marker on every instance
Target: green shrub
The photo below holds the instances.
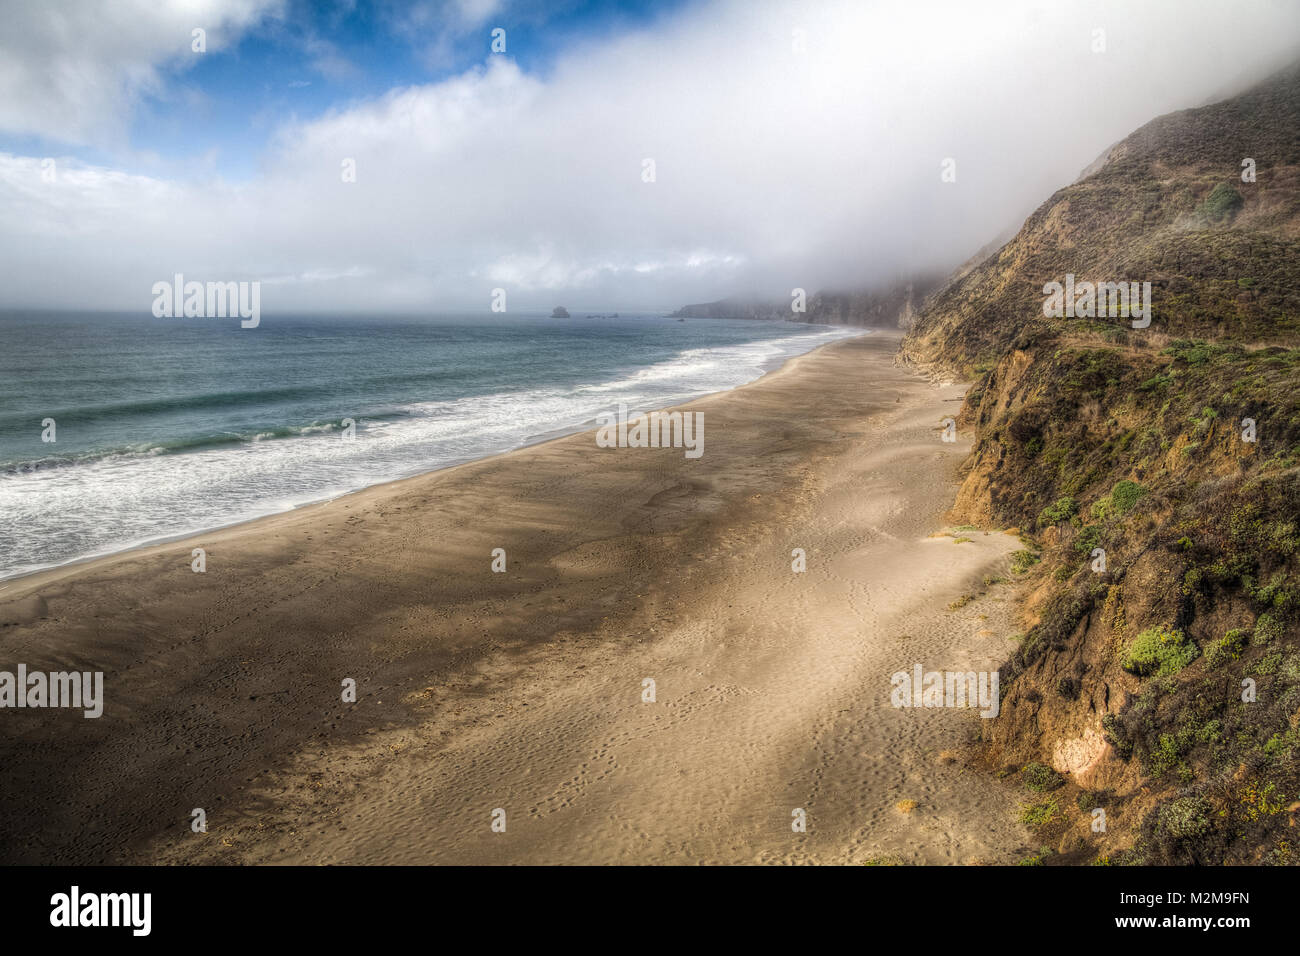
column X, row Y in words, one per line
column 1041, row 778
column 1290, row 670
column 1089, row 537
column 1222, row 203
column 1022, row 561
column 1165, row 756
column 1038, row 858
column 1267, row 664
column 1040, row 814
column 1282, row 745
column 1160, row 651
column 1125, row 495
column 1120, row 501
column 1227, row 648
column 1063, row 510
column 1267, row 629
column 1114, row 732
column 1184, row 819
column 1209, row 732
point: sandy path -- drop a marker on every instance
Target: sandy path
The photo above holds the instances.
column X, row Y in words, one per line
column 523, row 691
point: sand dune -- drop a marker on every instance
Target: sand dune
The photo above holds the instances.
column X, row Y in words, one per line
column 524, row 691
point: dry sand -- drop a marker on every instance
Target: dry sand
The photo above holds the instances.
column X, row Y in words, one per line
column 523, row 690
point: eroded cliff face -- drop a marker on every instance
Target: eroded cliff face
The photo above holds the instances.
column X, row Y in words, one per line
column 1154, row 474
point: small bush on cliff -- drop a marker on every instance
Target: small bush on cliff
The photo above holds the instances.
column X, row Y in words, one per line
column 1040, row 814
column 1227, row 648
column 1089, row 537
column 1184, row 819
column 1222, row 203
column 1159, row 651
column 1022, row 561
column 1180, row 831
column 1120, row 501
column 1267, row 629
column 1063, row 510
column 1041, row 778
column 1116, row 735
column 1169, row 752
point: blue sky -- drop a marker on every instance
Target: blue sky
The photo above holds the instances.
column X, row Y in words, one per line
column 220, row 108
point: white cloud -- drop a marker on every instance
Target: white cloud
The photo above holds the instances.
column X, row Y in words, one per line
column 442, row 29
column 72, row 70
column 773, row 169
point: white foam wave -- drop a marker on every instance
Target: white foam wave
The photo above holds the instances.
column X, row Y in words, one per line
column 121, row 501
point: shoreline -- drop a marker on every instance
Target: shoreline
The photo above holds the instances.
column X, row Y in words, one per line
column 524, row 690
column 774, row 366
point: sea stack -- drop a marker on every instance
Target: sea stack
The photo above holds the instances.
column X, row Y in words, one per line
column 560, row 312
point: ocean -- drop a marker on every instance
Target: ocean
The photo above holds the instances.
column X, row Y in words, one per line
column 168, row 427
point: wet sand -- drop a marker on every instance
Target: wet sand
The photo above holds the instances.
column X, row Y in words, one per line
column 523, row 691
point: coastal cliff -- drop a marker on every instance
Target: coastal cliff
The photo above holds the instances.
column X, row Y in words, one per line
column 1154, row 475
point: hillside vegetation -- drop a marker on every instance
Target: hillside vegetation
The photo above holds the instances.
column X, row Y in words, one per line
column 888, row 305
column 1163, row 687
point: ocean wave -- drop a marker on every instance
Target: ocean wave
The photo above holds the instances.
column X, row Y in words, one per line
column 172, row 447
column 67, row 507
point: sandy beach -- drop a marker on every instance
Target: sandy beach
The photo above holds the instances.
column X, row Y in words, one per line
column 524, row 691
